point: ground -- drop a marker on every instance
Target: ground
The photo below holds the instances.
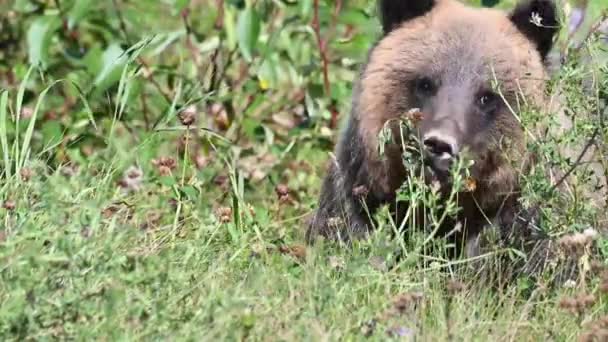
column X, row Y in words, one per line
column 163, row 193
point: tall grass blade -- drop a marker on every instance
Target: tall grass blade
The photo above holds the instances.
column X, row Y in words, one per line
column 18, row 107
column 4, row 134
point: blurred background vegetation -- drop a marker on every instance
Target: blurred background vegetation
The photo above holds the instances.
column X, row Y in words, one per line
column 250, row 70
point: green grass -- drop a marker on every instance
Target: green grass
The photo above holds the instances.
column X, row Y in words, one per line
column 101, row 239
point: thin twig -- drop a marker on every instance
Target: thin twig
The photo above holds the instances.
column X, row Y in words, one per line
column 577, row 163
column 322, row 45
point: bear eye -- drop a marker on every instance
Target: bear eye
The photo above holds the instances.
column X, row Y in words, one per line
column 425, row 86
column 488, row 101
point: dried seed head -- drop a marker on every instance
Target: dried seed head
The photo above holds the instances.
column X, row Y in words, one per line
column 455, row 286
column 132, row 179
column 568, row 304
column 470, row 184
column 224, row 214
column 188, row 116
column 406, row 301
column 414, row 115
column 577, row 242
column 26, row 174
column 587, row 300
column 220, row 116
column 201, row 161
column 296, row 251
column 9, row 205
column 578, row 304
column 282, row 190
column 167, row 162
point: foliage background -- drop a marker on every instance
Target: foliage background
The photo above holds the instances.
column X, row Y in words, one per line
column 122, row 218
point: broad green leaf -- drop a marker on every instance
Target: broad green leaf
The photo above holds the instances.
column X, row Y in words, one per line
column 248, row 32
column 190, row 192
column 113, row 60
column 39, row 37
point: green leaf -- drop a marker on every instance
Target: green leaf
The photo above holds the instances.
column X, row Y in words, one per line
column 80, row 9
column 190, row 192
column 229, row 28
column 248, row 31
column 113, row 60
column 39, row 37
column 168, row 181
column 52, row 132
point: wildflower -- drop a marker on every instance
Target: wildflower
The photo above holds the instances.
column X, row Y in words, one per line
column 132, row 179
column 224, row 214
column 201, row 161
column 415, row 115
column 188, row 116
column 470, row 185
column 27, row 113
column 9, row 205
column 282, row 192
column 165, row 165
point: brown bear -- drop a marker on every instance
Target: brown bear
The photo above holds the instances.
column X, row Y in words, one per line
column 466, row 70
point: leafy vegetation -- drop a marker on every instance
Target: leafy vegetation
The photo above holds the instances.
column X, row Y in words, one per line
column 159, row 159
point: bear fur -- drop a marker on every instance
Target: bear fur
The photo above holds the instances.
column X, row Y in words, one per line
column 460, row 54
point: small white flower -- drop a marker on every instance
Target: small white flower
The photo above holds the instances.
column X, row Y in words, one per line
column 536, row 19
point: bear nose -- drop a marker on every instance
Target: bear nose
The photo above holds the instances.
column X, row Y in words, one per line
column 441, row 148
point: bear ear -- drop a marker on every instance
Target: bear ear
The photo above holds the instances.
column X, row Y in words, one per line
column 395, row 12
column 537, row 20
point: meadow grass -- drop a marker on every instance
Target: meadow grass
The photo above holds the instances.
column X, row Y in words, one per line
column 124, row 220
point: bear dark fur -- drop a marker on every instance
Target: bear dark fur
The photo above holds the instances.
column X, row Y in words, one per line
column 459, row 51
